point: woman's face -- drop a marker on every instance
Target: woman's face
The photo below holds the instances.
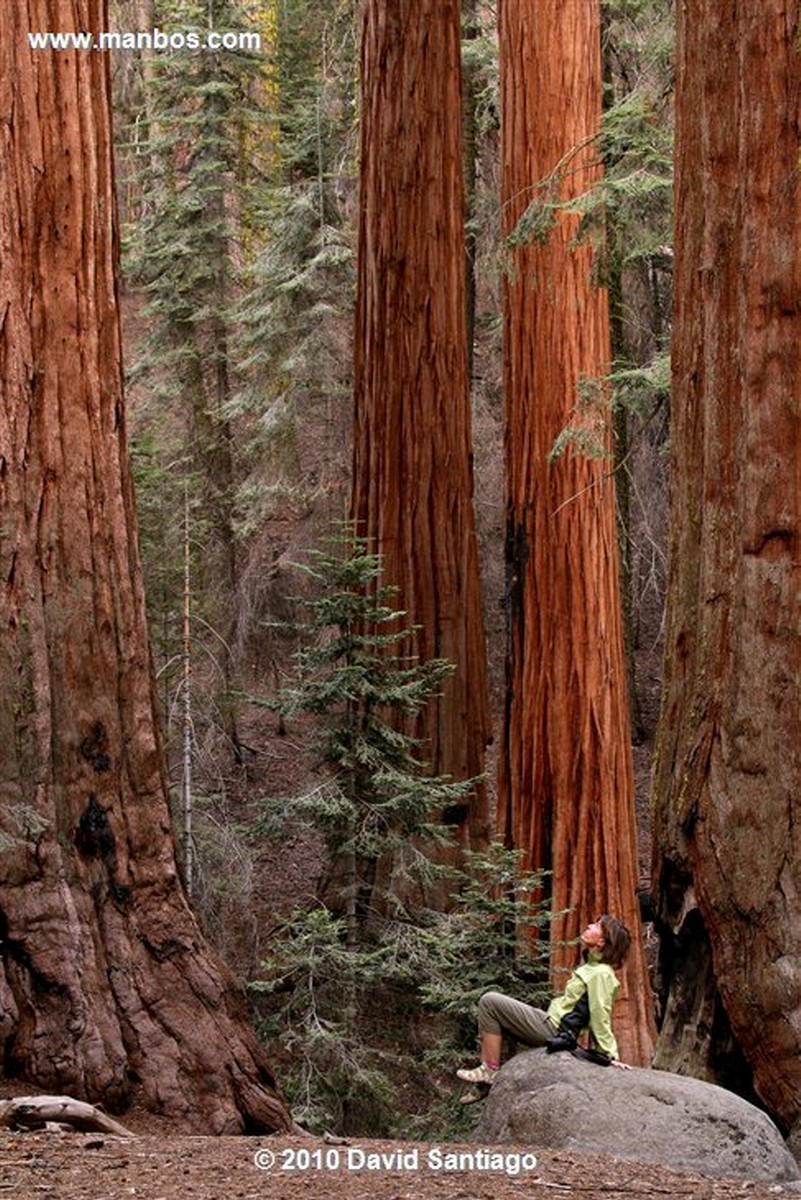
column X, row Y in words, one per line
column 593, row 936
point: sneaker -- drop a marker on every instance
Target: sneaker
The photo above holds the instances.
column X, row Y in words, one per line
column 480, row 1074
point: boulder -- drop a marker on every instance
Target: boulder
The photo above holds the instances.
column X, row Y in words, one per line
column 561, row 1103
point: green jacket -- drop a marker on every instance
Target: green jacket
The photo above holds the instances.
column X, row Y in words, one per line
column 601, row 985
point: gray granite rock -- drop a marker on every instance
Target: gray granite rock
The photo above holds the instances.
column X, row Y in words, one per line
column 558, row 1102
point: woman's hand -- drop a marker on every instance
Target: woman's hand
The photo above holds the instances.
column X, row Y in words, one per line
column 623, row 1066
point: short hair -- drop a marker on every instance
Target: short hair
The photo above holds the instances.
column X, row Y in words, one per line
column 617, row 941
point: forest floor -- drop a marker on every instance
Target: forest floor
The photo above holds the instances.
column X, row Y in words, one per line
column 160, row 1164
column 73, row 1166
column 155, row 1163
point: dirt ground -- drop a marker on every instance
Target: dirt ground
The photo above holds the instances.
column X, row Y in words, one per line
column 157, row 1165
column 63, row 1166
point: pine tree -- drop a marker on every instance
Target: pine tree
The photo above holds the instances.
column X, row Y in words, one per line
column 356, row 674
column 327, row 1003
column 184, row 254
column 294, row 317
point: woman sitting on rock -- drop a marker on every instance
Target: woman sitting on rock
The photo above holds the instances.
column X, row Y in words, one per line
column 585, row 1004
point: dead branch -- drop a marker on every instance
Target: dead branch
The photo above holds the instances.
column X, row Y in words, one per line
column 34, row 1112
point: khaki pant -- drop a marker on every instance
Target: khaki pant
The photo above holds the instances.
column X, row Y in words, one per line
column 501, row 1014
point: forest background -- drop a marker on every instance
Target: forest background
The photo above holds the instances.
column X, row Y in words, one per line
column 239, row 289
column 264, row 198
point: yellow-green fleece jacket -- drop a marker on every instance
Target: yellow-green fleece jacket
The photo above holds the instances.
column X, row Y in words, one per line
column 602, row 985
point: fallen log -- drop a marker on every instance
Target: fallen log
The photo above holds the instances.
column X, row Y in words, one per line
column 35, row 1112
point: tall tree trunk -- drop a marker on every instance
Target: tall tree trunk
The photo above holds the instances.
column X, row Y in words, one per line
column 412, row 478
column 729, row 750
column 107, row 989
column 566, row 783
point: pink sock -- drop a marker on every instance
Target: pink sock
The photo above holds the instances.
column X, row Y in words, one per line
column 493, row 1066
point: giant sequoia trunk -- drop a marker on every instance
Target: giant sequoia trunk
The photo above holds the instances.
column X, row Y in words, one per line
column 567, row 795
column 729, row 752
column 107, row 990
column 412, row 484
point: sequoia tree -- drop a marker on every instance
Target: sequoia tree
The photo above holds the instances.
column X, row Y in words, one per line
column 566, row 779
column 729, row 750
column 107, row 989
column 412, row 458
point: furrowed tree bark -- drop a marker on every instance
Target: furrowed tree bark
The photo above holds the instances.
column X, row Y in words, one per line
column 566, row 783
column 107, row 989
column 412, row 463
column 728, row 769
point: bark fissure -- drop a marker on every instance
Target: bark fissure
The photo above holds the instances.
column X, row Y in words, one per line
column 566, row 792
column 728, row 750
column 89, row 892
column 412, row 475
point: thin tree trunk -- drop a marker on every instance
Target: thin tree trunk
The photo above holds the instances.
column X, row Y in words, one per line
column 108, row 989
column 186, row 739
column 621, row 441
column 729, row 748
column 471, row 30
column 566, row 781
column 412, row 475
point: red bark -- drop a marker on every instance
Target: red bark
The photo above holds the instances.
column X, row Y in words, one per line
column 566, row 783
column 412, row 467
column 729, row 751
column 107, row 989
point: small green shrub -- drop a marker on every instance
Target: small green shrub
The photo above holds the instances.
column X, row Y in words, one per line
column 369, row 992
column 372, row 1032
